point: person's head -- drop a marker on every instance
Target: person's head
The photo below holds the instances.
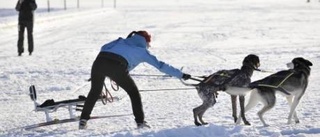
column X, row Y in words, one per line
column 142, row 33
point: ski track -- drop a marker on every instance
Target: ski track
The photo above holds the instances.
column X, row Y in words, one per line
column 200, row 36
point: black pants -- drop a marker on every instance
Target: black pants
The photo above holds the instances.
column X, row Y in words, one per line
column 22, row 25
column 117, row 70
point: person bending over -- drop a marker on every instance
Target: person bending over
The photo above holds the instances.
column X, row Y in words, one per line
column 115, row 60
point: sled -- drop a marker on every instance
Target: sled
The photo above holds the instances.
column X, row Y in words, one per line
column 50, row 106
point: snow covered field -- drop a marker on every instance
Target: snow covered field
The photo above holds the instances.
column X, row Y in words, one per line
column 201, row 36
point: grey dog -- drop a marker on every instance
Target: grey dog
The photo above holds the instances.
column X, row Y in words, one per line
column 208, row 88
column 291, row 83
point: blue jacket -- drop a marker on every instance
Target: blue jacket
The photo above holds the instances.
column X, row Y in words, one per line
column 134, row 50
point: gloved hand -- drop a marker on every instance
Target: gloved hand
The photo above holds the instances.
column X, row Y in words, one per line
column 186, row 76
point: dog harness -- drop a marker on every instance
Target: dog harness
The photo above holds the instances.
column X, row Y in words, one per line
column 277, row 86
column 223, row 74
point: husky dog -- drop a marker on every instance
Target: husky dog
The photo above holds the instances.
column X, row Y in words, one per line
column 208, row 88
column 291, row 83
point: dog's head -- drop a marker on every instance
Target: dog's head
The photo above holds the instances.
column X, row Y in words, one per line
column 300, row 64
column 251, row 61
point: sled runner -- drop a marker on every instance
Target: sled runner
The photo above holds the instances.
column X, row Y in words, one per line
column 57, row 121
column 50, row 106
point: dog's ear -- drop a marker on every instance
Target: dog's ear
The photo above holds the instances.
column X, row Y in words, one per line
column 308, row 62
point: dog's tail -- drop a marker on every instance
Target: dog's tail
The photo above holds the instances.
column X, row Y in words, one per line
column 242, row 91
column 187, row 84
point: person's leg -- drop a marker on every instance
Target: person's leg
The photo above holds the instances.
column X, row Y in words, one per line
column 118, row 73
column 30, row 37
column 123, row 79
column 97, row 80
column 21, row 27
column 93, row 96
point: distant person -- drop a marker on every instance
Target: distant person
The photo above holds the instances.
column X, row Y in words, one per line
column 115, row 60
column 26, row 10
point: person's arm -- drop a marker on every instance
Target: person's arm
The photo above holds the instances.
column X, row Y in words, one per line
column 18, row 5
column 163, row 67
column 33, row 5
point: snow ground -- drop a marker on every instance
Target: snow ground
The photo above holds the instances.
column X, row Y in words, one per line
column 201, row 36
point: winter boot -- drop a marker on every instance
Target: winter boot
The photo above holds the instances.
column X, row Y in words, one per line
column 83, row 124
column 143, row 125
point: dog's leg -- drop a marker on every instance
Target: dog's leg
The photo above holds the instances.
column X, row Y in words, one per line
column 268, row 98
column 295, row 103
column 201, row 114
column 199, row 111
column 196, row 112
column 253, row 101
column 234, row 107
column 242, row 109
column 207, row 105
column 289, row 99
column 296, row 119
column 262, row 111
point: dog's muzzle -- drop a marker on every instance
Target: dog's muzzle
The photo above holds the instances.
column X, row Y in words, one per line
column 257, row 65
column 290, row 65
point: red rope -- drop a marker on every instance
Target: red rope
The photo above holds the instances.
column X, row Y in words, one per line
column 105, row 96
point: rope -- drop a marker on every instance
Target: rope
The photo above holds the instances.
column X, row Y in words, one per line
column 114, row 85
column 195, row 79
column 264, row 71
column 146, row 75
column 146, row 90
column 104, row 96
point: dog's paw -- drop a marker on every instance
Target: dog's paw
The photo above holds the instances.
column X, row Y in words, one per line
column 266, row 125
column 238, row 121
column 289, row 122
column 235, row 119
column 205, row 123
column 247, row 123
column 197, row 124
